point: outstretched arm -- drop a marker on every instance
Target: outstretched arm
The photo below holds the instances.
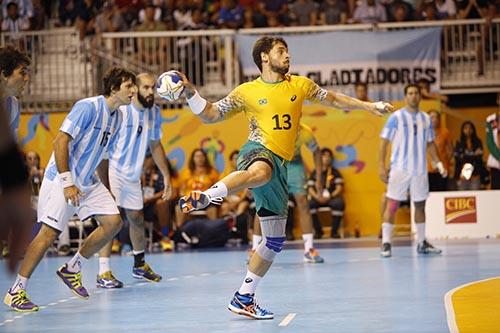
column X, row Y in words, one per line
column 342, row 101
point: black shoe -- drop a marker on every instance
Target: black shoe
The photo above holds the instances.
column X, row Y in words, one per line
column 427, row 248
column 336, row 236
column 385, row 251
column 318, row 235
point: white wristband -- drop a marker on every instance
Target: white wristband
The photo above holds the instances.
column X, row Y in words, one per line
column 66, row 179
column 197, row 103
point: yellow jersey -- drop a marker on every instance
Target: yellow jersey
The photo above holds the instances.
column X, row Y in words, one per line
column 304, row 137
column 273, row 110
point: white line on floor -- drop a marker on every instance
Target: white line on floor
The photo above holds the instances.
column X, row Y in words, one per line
column 287, row 319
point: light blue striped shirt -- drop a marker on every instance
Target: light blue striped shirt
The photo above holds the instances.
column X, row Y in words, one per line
column 126, row 156
column 14, row 110
column 409, row 133
column 93, row 128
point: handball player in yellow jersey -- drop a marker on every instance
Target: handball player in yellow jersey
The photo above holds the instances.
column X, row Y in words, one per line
column 273, row 106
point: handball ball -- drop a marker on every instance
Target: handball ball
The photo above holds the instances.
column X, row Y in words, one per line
column 169, row 86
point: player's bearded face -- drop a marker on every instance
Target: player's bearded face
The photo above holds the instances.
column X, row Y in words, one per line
column 413, row 97
column 279, row 59
column 146, row 99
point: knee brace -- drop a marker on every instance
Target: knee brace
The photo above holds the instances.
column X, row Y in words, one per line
column 273, row 233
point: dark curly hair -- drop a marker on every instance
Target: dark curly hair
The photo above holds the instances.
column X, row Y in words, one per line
column 11, row 58
column 114, row 77
column 264, row 45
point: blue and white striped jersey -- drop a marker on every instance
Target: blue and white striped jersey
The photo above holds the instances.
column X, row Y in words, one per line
column 126, row 156
column 409, row 133
column 93, row 128
column 14, row 110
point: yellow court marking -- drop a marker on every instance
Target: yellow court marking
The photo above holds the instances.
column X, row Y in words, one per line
column 474, row 307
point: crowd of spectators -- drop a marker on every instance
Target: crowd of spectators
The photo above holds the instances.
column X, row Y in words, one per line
column 94, row 16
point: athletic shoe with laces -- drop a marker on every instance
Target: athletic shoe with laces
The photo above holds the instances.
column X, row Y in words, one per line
column 145, row 272
column 108, row 281
column 312, row 256
column 427, row 248
column 197, row 200
column 385, row 251
column 73, row 281
column 246, row 305
column 19, row 301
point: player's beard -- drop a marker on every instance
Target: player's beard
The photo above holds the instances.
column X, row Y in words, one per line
column 147, row 102
column 280, row 69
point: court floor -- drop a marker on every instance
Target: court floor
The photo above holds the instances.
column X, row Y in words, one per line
column 353, row 291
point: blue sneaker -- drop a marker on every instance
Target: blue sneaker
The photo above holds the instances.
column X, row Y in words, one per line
column 145, row 272
column 312, row 256
column 108, row 281
column 246, row 305
column 197, row 200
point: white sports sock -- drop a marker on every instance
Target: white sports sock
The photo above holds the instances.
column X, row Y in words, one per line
column 104, row 265
column 420, row 232
column 219, row 189
column 256, row 239
column 387, row 232
column 76, row 263
column 20, row 283
column 249, row 283
column 308, row 242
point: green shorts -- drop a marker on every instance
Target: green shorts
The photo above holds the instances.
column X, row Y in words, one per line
column 272, row 196
column 296, row 177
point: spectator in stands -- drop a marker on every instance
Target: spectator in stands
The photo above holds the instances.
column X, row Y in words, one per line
column 24, row 8
column 182, row 15
column 276, row 12
column 67, row 12
column 361, row 91
column 230, row 15
column 39, row 17
column 444, row 146
column 446, row 9
column 425, row 91
column 471, row 9
column 488, row 30
column 254, row 17
column 13, row 22
column 110, row 19
column 87, row 11
column 369, row 12
column 199, row 176
column 159, row 7
column 333, row 12
column 304, row 12
column 468, row 150
column 429, row 12
column 493, row 144
column 151, row 51
column 331, row 196
column 400, row 11
column 35, row 172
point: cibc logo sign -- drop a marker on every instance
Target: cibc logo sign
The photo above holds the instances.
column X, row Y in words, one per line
column 460, row 210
